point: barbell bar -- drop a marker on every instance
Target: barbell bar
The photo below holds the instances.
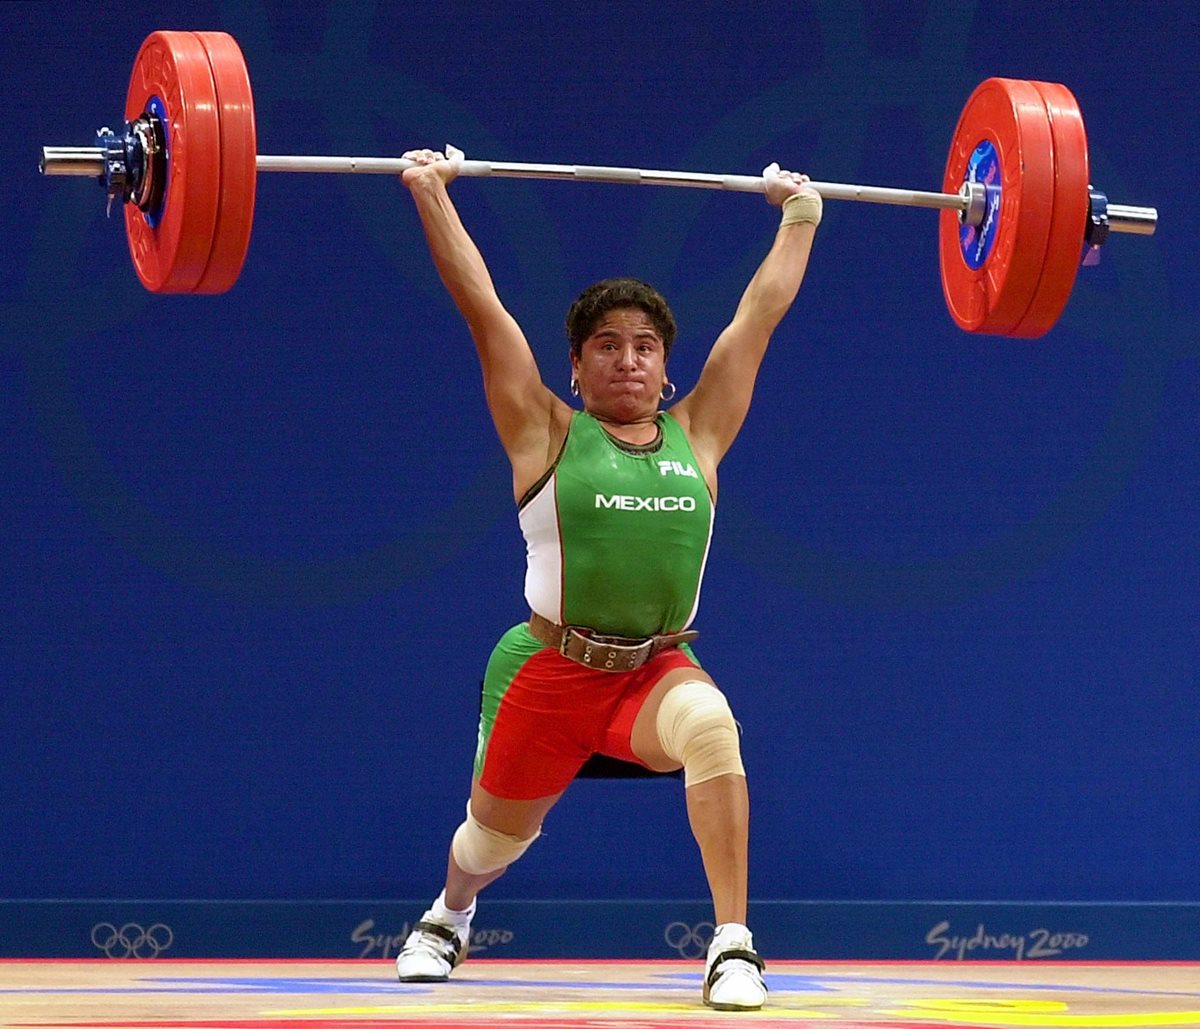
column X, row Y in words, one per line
column 1017, row 207
column 89, row 162
column 969, row 201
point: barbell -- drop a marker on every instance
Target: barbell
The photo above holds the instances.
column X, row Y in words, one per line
column 1017, row 205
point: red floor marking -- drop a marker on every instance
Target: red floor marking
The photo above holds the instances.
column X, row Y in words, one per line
column 515, row 1021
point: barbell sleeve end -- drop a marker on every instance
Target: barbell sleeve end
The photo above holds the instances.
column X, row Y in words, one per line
column 1139, row 221
column 84, row 161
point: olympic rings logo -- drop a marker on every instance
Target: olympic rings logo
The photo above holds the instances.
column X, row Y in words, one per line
column 131, row 940
column 691, row 941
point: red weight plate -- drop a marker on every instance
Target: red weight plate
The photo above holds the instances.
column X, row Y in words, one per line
column 170, row 247
column 1068, row 222
column 239, row 163
column 1005, row 121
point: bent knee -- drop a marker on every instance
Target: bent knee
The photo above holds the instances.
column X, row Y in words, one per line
column 479, row 850
column 696, row 728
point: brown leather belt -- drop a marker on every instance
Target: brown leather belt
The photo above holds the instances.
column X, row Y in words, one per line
column 606, row 653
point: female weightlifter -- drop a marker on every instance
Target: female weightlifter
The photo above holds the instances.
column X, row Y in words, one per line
column 616, row 505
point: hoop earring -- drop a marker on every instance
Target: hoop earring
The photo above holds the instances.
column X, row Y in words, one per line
column 574, row 386
column 663, row 392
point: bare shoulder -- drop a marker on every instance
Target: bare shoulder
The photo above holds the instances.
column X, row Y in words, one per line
column 707, row 451
column 685, row 415
column 538, row 448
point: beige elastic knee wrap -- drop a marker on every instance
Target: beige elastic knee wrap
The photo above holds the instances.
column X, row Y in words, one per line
column 696, row 728
column 479, row 850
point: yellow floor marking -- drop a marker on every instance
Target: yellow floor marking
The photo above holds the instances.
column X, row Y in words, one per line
column 1040, row 1013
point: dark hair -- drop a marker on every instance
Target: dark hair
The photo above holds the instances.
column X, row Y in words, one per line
column 596, row 301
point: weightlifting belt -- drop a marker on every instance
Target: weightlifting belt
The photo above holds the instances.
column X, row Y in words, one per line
column 606, row 653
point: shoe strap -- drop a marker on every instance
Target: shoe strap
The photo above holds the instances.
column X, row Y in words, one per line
column 734, row 954
column 442, row 931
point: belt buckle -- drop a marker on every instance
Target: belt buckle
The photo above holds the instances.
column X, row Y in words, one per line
column 616, row 641
column 568, row 631
column 621, row 654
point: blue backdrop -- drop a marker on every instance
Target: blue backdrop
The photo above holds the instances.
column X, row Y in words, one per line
column 257, row 547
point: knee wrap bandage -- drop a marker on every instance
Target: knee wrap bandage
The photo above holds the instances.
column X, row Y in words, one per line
column 479, row 850
column 696, row 728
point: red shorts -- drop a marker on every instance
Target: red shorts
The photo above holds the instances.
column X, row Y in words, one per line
column 544, row 715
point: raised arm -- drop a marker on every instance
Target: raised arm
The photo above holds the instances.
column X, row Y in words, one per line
column 524, row 410
column 713, row 413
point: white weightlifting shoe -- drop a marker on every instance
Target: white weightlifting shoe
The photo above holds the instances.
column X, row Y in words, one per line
column 733, row 978
column 432, row 951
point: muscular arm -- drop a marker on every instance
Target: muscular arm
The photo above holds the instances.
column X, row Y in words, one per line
column 714, row 411
column 525, row 412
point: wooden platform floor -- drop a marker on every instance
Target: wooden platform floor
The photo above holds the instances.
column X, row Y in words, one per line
column 178, row 994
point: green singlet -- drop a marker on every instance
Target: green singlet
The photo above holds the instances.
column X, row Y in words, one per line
column 617, row 535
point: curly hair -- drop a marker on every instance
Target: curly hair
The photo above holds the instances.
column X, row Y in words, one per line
column 597, row 300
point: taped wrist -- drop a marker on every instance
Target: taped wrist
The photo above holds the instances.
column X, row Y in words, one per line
column 801, row 207
column 478, row 850
column 696, row 728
